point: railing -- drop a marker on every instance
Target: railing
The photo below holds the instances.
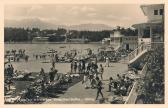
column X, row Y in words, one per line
column 132, row 95
column 157, row 45
column 144, row 70
column 131, row 99
column 141, row 49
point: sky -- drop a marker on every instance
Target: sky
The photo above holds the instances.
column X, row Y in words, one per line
column 73, row 14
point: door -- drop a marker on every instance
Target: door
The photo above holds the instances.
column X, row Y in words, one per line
column 127, row 46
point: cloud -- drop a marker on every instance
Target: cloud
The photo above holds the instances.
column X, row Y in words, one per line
column 121, row 18
column 34, row 8
column 72, row 14
column 87, row 9
column 82, row 10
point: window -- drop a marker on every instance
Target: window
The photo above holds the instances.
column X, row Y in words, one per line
column 155, row 12
column 146, row 32
column 161, row 11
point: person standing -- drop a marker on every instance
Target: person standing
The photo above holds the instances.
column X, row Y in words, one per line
column 89, row 66
column 101, row 71
column 111, row 83
column 79, row 67
column 43, row 75
column 53, row 62
column 83, row 66
column 118, row 77
column 36, row 57
column 99, row 88
column 52, row 74
column 26, row 58
column 9, row 71
column 72, row 66
column 12, row 70
column 85, row 79
column 75, row 66
column 95, row 66
column 119, row 80
column 107, row 62
column 56, row 58
column 91, row 77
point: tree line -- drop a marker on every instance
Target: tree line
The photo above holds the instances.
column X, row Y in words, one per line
column 60, row 34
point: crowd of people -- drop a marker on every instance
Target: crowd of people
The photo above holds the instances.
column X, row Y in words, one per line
column 93, row 78
column 9, row 70
column 120, row 86
column 15, row 56
column 78, row 66
column 55, row 56
column 113, row 56
column 14, row 52
column 93, row 75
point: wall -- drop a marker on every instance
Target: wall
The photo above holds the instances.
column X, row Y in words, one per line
column 116, row 34
column 132, row 41
column 149, row 12
column 144, row 40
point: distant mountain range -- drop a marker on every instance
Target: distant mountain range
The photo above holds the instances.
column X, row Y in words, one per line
column 32, row 23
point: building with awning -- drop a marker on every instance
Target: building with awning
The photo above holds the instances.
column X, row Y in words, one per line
column 152, row 31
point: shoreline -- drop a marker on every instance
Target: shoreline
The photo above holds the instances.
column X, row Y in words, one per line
column 52, row 43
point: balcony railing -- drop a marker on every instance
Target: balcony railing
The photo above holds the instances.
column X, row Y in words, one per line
column 155, row 45
column 138, row 52
column 132, row 97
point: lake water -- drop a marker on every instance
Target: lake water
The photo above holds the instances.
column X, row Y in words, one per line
column 41, row 48
column 34, row 66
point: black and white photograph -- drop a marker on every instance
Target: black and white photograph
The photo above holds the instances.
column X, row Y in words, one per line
column 84, row 54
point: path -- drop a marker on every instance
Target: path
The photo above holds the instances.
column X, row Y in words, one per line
column 79, row 95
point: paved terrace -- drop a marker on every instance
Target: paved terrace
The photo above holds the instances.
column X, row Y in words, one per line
column 80, row 95
column 77, row 93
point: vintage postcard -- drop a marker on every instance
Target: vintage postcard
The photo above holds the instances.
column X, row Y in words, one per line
column 60, row 53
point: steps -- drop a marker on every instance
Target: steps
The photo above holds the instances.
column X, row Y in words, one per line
column 138, row 52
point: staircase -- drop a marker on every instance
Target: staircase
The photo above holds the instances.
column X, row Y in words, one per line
column 138, row 52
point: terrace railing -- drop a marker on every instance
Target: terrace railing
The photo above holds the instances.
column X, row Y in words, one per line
column 155, row 45
column 144, row 70
column 132, row 97
column 137, row 52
